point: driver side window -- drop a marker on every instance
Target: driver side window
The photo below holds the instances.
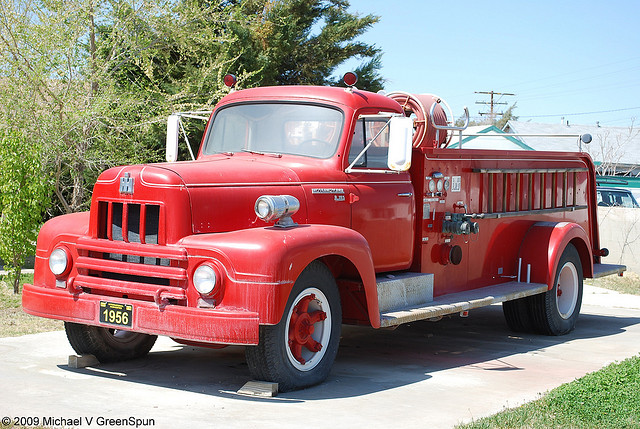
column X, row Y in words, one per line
column 368, row 129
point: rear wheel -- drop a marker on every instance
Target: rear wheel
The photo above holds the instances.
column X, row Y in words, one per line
column 300, row 350
column 516, row 313
column 108, row 345
column 556, row 311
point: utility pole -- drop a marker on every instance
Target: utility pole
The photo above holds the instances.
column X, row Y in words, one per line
column 492, row 113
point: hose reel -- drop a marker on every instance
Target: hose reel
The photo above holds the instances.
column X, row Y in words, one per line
column 419, row 106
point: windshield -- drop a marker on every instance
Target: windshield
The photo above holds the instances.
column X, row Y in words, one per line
column 295, row 129
column 615, row 198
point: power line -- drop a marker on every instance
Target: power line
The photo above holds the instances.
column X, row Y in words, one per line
column 583, row 113
column 574, row 72
column 492, row 113
column 548, row 95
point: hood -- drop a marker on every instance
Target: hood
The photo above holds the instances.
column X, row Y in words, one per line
column 238, row 169
column 217, row 194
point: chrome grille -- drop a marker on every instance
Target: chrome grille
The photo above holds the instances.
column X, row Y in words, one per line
column 133, row 270
column 129, row 222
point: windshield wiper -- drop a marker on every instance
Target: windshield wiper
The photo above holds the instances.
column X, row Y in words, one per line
column 257, row 152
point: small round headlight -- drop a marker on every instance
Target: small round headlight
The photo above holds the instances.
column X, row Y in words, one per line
column 204, row 279
column 277, row 207
column 59, row 261
column 263, row 208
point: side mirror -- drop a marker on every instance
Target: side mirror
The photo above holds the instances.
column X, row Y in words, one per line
column 173, row 133
column 400, row 143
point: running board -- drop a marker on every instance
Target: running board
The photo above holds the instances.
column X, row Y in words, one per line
column 402, row 290
column 602, row 270
column 461, row 301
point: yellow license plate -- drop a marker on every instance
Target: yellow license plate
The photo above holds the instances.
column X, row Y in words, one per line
column 116, row 314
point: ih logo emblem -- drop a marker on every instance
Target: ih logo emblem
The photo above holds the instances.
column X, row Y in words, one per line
column 126, row 184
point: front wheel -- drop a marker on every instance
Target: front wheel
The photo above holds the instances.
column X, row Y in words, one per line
column 299, row 351
column 108, row 345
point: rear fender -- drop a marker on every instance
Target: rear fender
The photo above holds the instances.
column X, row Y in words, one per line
column 276, row 256
column 542, row 248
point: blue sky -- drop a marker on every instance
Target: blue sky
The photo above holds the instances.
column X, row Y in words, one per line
column 560, row 58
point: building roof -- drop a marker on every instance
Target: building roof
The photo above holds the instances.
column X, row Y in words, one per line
column 492, row 138
column 611, row 147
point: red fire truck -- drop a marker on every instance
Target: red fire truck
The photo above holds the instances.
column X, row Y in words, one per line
column 309, row 207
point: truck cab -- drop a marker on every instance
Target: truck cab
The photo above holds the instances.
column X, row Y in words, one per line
column 309, row 207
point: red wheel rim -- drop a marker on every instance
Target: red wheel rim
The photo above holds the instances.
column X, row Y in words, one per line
column 308, row 329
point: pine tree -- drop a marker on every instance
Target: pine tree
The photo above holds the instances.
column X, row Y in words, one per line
column 302, row 42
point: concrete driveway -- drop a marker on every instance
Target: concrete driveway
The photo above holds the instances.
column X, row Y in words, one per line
column 421, row 375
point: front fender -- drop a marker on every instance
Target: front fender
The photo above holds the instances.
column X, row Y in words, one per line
column 276, row 256
column 63, row 229
column 543, row 245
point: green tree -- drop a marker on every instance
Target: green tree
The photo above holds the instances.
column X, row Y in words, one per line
column 500, row 123
column 302, row 42
column 66, row 102
column 185, row 56
column 177, row 52
column 96, row 79
column 507, row 116
column 68, row 64
column 24, row 195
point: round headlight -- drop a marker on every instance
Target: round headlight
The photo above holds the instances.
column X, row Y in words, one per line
column 263, row 208
column 204, row 279
column 277, row 207
column 59, row 261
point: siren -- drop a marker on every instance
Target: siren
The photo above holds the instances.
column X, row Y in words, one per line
column 230, row 81
column 350, row 79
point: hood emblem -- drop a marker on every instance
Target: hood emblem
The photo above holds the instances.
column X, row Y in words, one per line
column 327, row 191
column 126, row 184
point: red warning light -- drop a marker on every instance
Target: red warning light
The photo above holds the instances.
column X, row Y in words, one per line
column 230, row 80
column 350, row 78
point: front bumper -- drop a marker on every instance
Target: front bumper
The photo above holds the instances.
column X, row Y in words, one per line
column 217, row 326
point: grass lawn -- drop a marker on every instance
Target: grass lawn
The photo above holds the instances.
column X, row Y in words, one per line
column 15, row 322
column 629, row 283
column 609, row 398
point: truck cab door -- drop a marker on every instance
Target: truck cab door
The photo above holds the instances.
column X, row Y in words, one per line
column 382, row 201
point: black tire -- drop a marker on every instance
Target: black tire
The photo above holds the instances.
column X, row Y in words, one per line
column 556, row 311
column 516, row 313
column 292, row 363
column 108, row 345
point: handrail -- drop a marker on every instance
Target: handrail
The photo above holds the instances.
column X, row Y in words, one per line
column 449, row 127
column 525, row 135
column 582, row 138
